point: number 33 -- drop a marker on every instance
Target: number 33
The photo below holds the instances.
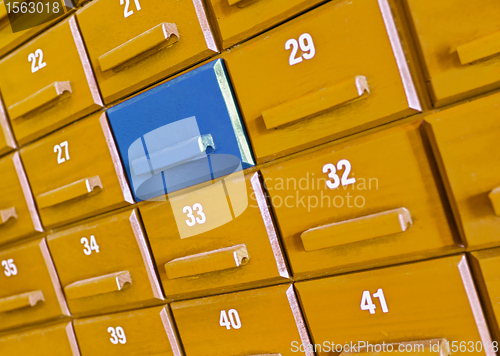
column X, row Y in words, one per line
column 332, row 174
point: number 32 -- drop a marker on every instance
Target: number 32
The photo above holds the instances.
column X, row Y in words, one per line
column 332, row 174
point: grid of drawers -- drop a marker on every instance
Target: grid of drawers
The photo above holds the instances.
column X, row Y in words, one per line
column 251, row 177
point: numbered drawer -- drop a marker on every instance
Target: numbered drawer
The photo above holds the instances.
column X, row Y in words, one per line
column 18, row 214
column 146, row 331
column 367, row 201
column 181, row 133
column 486, row 265
column 467, row 153
column 136, row 43
column 216, row 238
column 76, row 172
column 105, row 266
column 30, row 287
column 257, row 322
column 238, row 20
column 49, row 341
column 7, row 142
column 429, row 304
column 48, row 83
column 328, row 86
column 459, row 43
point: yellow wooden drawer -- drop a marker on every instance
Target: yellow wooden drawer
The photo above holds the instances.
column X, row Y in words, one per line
column 204, row 245
column 363, row 202
column 292, row 99
column 76, row 172
column 238, row 20
column 257, row 322
column 486, row 265
column 140, row 332
column 18, row 214
column 135, row 43
column 104, row 265
column 7, row 142
column 414, row 302
column 48, row 82
column 30, row 290
column 465, row 142
column 52, row 340
column 459, row 43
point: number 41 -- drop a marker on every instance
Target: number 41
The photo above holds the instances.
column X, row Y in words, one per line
column 367, row 304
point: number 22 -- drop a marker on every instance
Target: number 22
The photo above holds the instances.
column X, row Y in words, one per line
column 126, row 11
column 32, row 58
column 332, row 174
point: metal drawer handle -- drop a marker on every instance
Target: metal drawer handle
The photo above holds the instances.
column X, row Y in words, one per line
column 7, row 214
column 113, row 282
column 431, row 347
column 154, row 39
column 240, row 3
column 355, row 230
column 172, row 156
column 68, row 192
column 218, row 260
column 480, row 48
column 19, row 301
column 316, row 103
column 48, row 96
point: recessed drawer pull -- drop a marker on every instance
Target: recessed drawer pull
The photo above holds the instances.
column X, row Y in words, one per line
column 20, row 301
column 173, row 155
column 239, row 3
column 113, row 282
column 432, row 347
column 355, row 230
column 7, row 214
column 316, row 103
column 161, row 36
column 49, row 95
column 481, row 48
column 494, row 196
column 218, row 260
column 68, row 192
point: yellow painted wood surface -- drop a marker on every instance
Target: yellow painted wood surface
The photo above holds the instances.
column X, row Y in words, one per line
column 105, row 28
column 248, row 228
column 465, row 142
column 19, row 301
column 425, row 300
column 12, row 196
column 69, row 192
column 441, row 28
column 391, row 169
column 89, row 156
column 6, row 214
column 7, row 142
column 494, row 197
column 267, row 324
column 118, row 250
column 144, row 329
column 240, row 20
column 62, row 63
column 109, row 283
column 356, row 230
column 47, row 341
column 263, row 78
column 481, row 48
column 32, row 272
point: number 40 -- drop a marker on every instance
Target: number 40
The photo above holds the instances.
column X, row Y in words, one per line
column 367, row 304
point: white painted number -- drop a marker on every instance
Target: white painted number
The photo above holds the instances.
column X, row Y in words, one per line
column 367, row 304
column 32, row 58
column 10, row 268
column 89, row 247
column 306, row 45
column 200, row 219
column 126, row 11
column 332, row 174
column 233, row 320
column 58, row 149
column 117, row 335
